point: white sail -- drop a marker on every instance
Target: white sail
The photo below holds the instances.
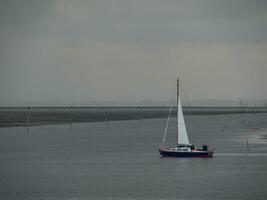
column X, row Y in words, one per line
column 182, row 133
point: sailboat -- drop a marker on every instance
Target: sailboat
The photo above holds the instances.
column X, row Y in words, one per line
column 183, row 147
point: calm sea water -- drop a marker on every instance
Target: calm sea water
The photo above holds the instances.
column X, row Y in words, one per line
column 120, row 160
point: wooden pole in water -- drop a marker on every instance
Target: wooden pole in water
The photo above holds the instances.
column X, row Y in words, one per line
column 28, row 119
column 247, row 145
column 105, row 115
column 177, row 110
column 71, row 106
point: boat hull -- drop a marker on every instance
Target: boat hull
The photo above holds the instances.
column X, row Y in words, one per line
column 192, row 154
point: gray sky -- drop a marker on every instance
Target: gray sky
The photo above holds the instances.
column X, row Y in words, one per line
column 75, row 51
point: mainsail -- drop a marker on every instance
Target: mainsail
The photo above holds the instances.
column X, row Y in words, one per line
column 182, row 133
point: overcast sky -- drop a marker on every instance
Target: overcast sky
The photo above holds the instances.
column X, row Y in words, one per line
column 57, row 52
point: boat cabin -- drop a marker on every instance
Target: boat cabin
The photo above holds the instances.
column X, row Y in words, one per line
column 181, row 149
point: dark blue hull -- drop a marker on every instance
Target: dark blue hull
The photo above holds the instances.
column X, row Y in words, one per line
column 192, row 154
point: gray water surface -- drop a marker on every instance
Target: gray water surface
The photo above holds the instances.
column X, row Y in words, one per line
column 120, row 160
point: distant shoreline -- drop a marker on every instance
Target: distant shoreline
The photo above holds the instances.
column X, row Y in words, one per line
column 22, row 116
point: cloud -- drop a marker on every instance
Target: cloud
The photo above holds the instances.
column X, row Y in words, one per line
column 77, row 51
column 263, row 15
column 63, row 5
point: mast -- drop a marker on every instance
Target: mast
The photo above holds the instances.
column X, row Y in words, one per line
column 177, row 109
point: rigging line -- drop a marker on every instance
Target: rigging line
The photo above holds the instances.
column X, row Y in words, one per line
column 166, row 128
column 190, row 109
column 186, row 97
column 167, row 123
column 187, row 100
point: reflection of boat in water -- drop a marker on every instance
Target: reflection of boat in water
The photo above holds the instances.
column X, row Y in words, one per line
column 183, row 147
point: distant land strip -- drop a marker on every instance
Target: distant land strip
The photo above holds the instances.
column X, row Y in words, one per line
column 33, row 116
